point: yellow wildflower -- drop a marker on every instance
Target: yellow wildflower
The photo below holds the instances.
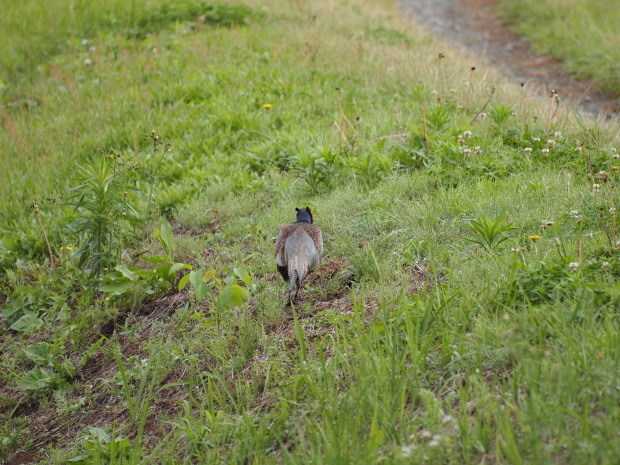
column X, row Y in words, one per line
column 112, row 156
column 105, row 269
column 124, row 213
column 153, row 132
column 615, row 168
column 267, row 106
column 535, row 238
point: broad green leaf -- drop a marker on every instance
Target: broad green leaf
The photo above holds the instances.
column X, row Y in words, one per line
column 180, row 266
column 131, row 274
column 244, row 276
column 232, row 295
column 208, row 275
column 118, row 445
column 37, row 378
column 202, row 291
column 183, row 282
column 27, row 323
column 116, row 288
column 165, row 237
column 157, row 259
column 194, row 278
column 98, row 434
column 38, row 353
column 11, row 307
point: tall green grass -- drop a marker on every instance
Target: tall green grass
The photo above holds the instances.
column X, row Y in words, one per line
column 582, row 33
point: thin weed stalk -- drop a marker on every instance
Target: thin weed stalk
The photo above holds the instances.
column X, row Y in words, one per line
column 426, row 141
column 484, row 106
column 523, row 107
column 37, row 213
column 469, row 87
column 553, row 98
column 440, row 79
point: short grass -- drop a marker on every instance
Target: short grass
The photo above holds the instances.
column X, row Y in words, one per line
column 466, row 307
column 582, row 33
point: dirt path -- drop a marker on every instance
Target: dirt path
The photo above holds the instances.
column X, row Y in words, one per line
column 474, row 26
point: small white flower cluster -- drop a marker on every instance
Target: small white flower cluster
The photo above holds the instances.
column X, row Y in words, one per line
column 466, row 135
column 467, row 152
column 573, row 265
column 546, row 223
column 596, row 187
column 545, row 152
column 518, row 249
column 528, row 150
column 574, row 214
column 558, row 135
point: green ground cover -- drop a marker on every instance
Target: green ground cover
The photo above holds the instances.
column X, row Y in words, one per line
column 466, row 310
column 582, row 33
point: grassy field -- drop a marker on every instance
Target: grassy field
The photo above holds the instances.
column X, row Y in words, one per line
column 466, row 310
column 582, row 33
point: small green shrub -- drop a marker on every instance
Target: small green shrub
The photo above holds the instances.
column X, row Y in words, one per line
column 489, row 233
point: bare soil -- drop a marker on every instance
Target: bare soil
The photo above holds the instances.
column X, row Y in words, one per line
column 475, row 27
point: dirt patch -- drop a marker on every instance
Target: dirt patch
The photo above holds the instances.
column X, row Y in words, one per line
column 180, row 229
column 475, row 26
column 22, row 457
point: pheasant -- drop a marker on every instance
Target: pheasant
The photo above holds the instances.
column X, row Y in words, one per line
column 298, row 250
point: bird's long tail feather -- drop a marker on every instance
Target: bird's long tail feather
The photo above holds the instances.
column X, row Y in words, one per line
column 297, row 269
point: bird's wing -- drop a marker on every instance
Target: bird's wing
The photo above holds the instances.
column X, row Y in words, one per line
column 319, row 246
column 315, row 234
column 285, row 231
